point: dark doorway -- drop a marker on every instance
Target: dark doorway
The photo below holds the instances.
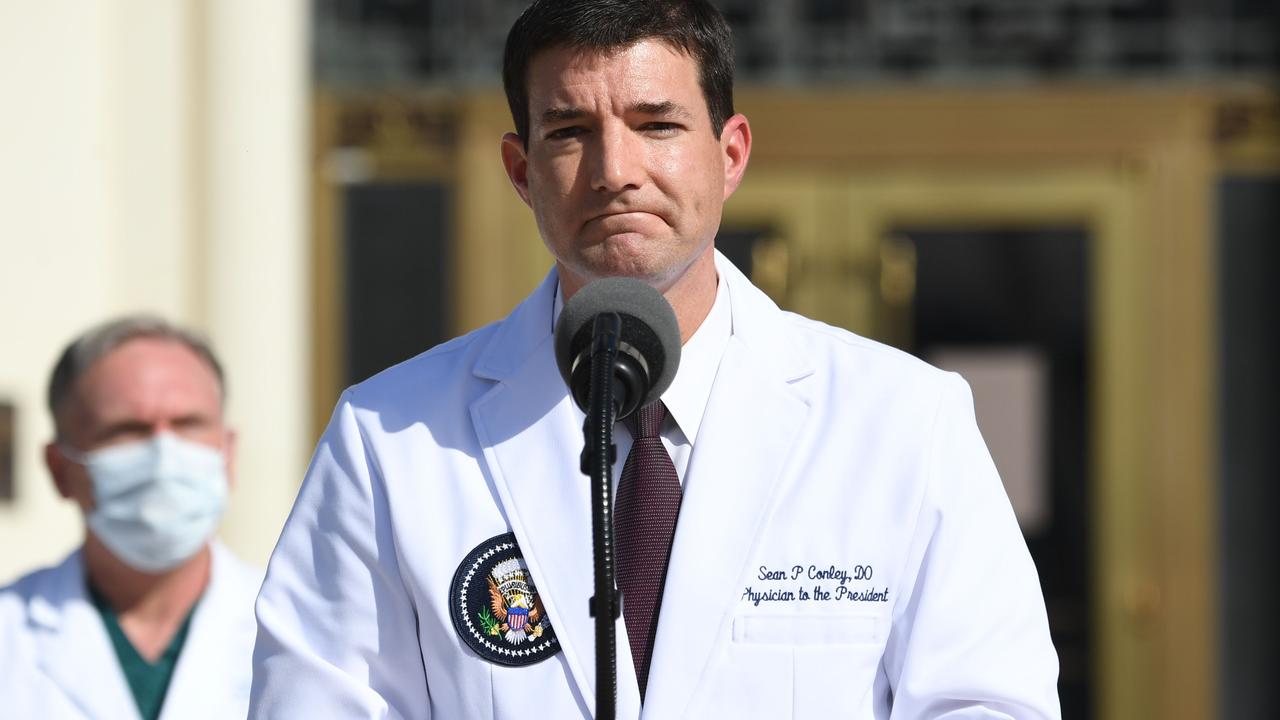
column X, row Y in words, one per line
column 980, row 293
column 396, row 264
column 1249, row 464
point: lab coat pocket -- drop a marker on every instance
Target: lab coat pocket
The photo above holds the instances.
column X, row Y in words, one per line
column 807, row 629
column 835, row 658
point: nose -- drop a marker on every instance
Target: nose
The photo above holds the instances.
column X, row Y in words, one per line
column 619, row 160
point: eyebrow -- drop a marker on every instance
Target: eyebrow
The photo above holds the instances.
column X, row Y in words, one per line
column 120, row 427
column 560, row 114
column 664, row 107
column 113, row 427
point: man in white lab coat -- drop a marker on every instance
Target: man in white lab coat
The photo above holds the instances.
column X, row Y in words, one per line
column 150, row 617
column 844, row 547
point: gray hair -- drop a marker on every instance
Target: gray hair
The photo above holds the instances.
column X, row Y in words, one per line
column 98, row 342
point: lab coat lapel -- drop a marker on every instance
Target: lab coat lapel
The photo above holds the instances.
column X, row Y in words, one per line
column 75, row 651
column 531, row 435
column 202, row 680
column 754, row 416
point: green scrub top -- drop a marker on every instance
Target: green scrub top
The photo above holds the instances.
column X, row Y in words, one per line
column 147, row 681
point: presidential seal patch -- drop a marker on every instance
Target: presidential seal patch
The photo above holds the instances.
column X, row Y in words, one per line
column 495, row 606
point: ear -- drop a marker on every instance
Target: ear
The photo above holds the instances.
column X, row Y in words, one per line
column 515, row 159
column 229, row 457
column 735, row 143
column 69, row 478
column 58, row 466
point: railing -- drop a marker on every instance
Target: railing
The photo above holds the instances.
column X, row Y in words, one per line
column 451, row 43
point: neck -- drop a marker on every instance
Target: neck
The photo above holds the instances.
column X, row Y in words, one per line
column 692, row 295
column 161, row 599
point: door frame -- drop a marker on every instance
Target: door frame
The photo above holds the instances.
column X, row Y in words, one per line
column 1136, row 170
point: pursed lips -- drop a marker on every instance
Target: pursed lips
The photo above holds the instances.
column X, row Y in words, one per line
column 625, row 217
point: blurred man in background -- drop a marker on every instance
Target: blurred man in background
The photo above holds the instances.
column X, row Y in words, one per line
column 150, row 617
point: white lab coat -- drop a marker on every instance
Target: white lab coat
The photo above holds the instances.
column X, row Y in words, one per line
column 818, row 449
column 57, row 661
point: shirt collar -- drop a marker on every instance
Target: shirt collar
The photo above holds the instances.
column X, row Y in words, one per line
column 686, row 399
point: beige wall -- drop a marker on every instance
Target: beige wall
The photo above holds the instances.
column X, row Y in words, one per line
column 154, row 159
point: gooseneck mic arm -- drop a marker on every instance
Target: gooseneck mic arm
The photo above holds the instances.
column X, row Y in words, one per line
column 617, row 346
column 598, row 455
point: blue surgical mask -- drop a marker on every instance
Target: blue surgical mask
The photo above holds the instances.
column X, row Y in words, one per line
column 156, row 501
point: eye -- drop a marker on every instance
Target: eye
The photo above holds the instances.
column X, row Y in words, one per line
column 124, row 431
column 662, row 127
column 190, row 422
column 565, row 133
column 661, row 130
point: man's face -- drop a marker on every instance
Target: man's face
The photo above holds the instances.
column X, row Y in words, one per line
column 623, row 171
column 141, row 388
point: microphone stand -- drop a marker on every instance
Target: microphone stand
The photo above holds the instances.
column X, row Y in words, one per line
column 598, row 455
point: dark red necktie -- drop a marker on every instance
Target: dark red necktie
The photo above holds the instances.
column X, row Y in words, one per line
column 644, row 526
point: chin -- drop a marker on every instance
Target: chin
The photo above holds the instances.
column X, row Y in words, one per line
column 652, row 261
column 652, row 271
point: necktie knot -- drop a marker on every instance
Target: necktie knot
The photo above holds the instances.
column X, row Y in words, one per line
column 647, row 421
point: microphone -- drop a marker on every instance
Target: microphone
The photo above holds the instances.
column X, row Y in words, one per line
column 648, row 342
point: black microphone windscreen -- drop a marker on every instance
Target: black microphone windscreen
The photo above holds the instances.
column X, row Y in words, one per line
column 648, row 325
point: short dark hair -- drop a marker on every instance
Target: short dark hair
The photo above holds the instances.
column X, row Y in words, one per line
column 97, row 342
column 695, row 27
